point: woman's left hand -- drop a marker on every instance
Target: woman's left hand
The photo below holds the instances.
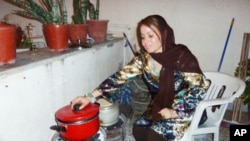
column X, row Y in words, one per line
column 167, row 113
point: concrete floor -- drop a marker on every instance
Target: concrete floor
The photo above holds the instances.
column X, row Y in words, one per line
column 225, row 129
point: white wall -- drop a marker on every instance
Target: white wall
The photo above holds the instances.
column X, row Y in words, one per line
column 202, row 25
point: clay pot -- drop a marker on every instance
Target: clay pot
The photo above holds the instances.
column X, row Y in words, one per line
column 8, row 44
column 97, row 29
column 56, row 36
column 77, row 32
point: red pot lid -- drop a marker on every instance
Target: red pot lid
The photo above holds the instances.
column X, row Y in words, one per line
column 66, row 114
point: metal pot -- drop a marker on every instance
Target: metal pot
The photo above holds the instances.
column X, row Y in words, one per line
column 76, row 125
column 109, row 112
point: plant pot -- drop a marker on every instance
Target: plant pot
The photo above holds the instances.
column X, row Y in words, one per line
column 78, row 32
column 56, row 36
column 97, row 29
column 8, row 44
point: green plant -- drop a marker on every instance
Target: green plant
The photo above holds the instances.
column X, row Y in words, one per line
column 47, row 11
column 80, row 9
column 94, row 10
column 246, row 95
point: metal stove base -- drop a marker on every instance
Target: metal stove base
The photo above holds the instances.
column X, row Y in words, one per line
column 99, row 136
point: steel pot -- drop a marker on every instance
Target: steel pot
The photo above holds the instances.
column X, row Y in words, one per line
column 109, row 112
column 77, row 125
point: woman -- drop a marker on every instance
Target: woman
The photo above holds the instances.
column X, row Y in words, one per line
column 173, row 76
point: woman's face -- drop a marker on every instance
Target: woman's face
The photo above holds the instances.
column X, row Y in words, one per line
column 151, row 39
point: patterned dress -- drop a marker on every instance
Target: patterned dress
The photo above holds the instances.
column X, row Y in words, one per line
column 190, row 89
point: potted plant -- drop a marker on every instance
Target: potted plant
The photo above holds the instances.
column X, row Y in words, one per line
column 78, row 29
column 97, row 29
column 246, row 95
column 52, row 14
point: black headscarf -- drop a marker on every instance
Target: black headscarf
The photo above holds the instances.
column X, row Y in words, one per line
column 174, row 57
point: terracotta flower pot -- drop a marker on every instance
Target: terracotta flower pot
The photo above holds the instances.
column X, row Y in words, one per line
column 77, row 32
column 8, row 44
column 97, row 29
column 56, row 36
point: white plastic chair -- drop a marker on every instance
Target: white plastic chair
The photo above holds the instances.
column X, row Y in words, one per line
column 224, row 89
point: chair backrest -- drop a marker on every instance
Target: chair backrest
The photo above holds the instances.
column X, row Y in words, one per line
column 223, row 89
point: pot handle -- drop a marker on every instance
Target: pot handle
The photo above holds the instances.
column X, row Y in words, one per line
column 58, row 128
column 98, row 104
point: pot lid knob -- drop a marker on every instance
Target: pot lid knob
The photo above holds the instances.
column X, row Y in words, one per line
column 67, row 114
column 76, row 107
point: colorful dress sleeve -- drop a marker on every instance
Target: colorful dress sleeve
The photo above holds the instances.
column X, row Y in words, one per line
column 116, row 85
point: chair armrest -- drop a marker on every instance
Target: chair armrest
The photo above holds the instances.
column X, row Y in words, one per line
column 207, row 103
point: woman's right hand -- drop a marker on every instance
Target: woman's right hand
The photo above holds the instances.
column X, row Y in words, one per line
column 82, row 100
column 85, row 100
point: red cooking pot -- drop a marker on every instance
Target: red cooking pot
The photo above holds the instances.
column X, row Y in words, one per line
column 77, row 125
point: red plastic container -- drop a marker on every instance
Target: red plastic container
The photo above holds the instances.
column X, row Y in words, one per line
column 7, row 44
